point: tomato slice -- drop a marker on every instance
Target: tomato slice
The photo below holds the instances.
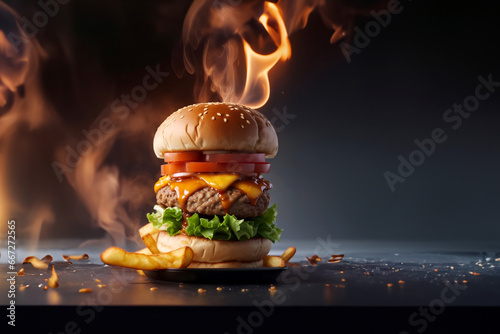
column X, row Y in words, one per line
column 207, row 167
column 235, row 157
column 214, row 167
column 182, row 156
column 172, row 168
column 262, row 168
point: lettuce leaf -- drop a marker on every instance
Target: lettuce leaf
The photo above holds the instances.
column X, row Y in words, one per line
column 168, row 219
column 266, row 227
column 229, row 228
column 210, row 229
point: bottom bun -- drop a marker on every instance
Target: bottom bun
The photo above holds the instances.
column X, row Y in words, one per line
column 216, row 251
column 229, row 264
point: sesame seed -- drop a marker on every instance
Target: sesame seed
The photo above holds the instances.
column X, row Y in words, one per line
column 190, row 109
column 227, row 115
column 242, row 117
column 205, row 112
column 182, row 116
column 219, row 114
column 200, row 114
column 213, row 118
column 225, row 120
column 242, row 126
column 248, row 121
column 202, row 117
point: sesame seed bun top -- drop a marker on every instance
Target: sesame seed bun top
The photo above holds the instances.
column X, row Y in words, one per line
column 216, row 126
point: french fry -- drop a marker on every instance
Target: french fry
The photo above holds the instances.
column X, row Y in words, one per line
column 336, row 258
column 148, row 229
column 273, row 261
column 144, row 251
column 288, row 254
column 75, row 257
column 38, row 264
column 54, row 279
column 47, row 259
column 179, row 258
column 313, row 260
column 150, row 243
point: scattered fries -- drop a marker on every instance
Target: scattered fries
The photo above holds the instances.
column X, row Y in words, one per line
column 75, row 257
column 314, row 259
column 20, row 272
column 288, row 254
column 179, row 258
column 273, row 261
column 39, row 264
column 150, row 243
column 47, row 258
column 148, row 229
column 54, row 279
column 85, row 290
column 336, row 258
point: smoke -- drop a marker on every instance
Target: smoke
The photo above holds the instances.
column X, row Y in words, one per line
column 34, row 138
column 22, row 109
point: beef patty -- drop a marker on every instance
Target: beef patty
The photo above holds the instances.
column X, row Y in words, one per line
column 206, row 201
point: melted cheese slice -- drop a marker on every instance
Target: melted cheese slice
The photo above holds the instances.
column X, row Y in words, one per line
column 162, row 182
column 252, row 189
column 219, row 182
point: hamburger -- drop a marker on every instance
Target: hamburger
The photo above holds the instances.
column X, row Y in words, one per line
column 212, row 196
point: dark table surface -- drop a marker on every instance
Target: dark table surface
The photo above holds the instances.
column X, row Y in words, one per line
column 372, row 274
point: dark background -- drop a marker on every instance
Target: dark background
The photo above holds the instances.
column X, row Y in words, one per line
column 351, row 120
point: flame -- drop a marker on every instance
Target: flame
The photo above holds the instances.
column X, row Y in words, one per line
column 257, row 88
column 224, row 28
column 233, row 66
